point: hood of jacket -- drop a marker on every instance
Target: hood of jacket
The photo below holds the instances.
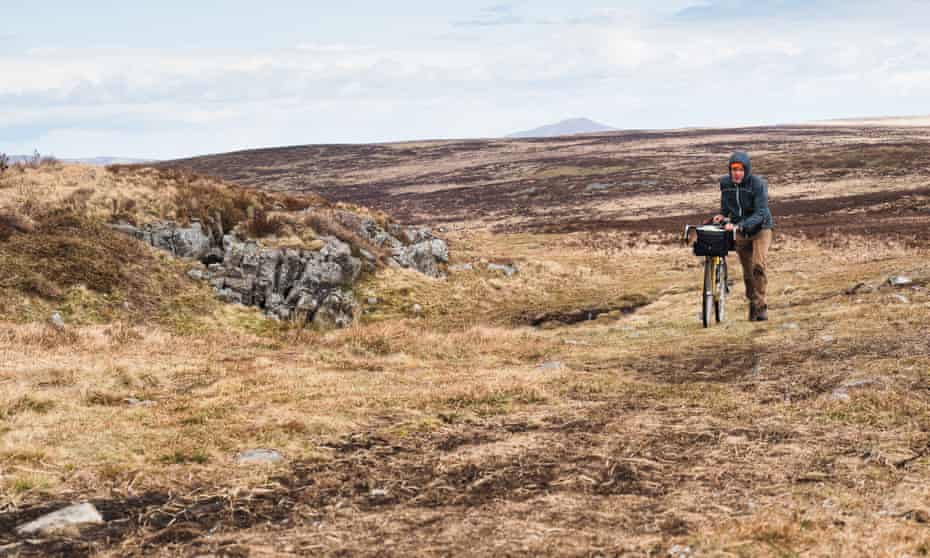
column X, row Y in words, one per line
column 741, row 157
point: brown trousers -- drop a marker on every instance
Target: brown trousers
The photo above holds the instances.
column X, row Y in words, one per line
column 753, row 251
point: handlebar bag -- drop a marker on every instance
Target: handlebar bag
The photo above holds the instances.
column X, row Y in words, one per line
column 712, row 241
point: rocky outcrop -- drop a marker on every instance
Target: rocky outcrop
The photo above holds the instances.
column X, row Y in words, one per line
column 310, row 286
column 307, row 285
column 411, row 247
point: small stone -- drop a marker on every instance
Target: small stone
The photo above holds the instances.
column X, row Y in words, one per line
column 461, row 267
column 132, row 401
column 575, row 342
column 378, row 493
column 551, row 365
column 901, row 299
column 853, row 384
column 827, row 338
column 680, row 551
column 417, row 309
column 596, row 187
column 195, row 274
column 899, row 280
column 507, row 269
column 77, row 514
column 791, row 325
column 57, row 321
column 259, row 457
column 840, row 394
column 372, row 300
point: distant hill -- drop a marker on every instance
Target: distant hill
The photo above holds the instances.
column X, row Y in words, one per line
column 96, row 161
column 565, row 128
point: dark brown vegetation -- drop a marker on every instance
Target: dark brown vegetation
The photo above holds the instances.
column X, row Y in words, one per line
column 604, row 181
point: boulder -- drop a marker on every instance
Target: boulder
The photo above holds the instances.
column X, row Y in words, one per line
column 337, row 309
column 77, row 514
column 259, row 456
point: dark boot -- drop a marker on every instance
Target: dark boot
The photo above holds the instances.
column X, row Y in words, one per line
column 762, row 315
column 752, row 312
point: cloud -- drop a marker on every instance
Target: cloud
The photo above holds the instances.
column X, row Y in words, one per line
column 631, row 67
column 493, row 16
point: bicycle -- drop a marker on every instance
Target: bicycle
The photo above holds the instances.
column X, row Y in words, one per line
column 713, row 242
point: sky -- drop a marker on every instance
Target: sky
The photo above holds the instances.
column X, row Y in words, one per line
column 176, row 78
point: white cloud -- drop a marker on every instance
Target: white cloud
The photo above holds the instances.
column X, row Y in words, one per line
column 618, row 67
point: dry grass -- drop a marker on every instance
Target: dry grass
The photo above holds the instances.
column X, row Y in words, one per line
column 701, row 439
column 459, row 429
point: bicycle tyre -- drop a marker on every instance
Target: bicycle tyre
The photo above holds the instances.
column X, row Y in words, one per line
column 720, row 301
column 707, row 293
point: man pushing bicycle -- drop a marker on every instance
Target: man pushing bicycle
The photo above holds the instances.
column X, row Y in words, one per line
column 744, row 202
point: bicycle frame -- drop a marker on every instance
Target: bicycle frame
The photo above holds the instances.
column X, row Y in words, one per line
column 716, row 285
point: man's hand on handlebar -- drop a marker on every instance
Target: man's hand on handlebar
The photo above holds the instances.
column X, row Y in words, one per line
column 718, row 219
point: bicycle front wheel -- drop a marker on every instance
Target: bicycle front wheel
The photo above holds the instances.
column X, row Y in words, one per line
column 720, row 296
column 707, row 294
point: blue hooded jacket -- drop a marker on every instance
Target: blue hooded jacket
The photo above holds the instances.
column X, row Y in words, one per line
column 746, row 203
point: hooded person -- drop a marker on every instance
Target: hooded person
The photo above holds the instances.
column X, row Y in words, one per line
column 744, row 201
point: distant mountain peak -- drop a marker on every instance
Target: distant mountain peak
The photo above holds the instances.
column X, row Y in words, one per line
column 564, row 128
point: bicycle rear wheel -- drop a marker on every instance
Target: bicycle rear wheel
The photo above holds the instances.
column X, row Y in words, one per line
column 720, row 297
column 707, row 294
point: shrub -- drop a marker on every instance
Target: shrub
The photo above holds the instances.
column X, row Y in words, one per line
column 4, row 162
column 11, row 222
column 262, row 224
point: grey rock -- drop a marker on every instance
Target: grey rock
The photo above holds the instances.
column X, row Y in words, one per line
column 854, row 384
column 680, row 551
column 417, row 309
column 191, row 241
column 57, row 321
column 596, row 187
column 379, row 493
column 77, row 514
column 840, row 394
column 133, row 402
column 230, row 296
column 337, row 309
column 196, row 274
column 507, row 269
column 259, row 456
column 372, row 300
column 461, row 267
column 899, row 281
column 791, row 325
column 901, row 299
column 551, row 365
column 827, row 338
column 424, row 256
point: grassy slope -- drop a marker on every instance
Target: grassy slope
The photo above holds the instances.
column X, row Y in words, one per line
column 653, row 432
